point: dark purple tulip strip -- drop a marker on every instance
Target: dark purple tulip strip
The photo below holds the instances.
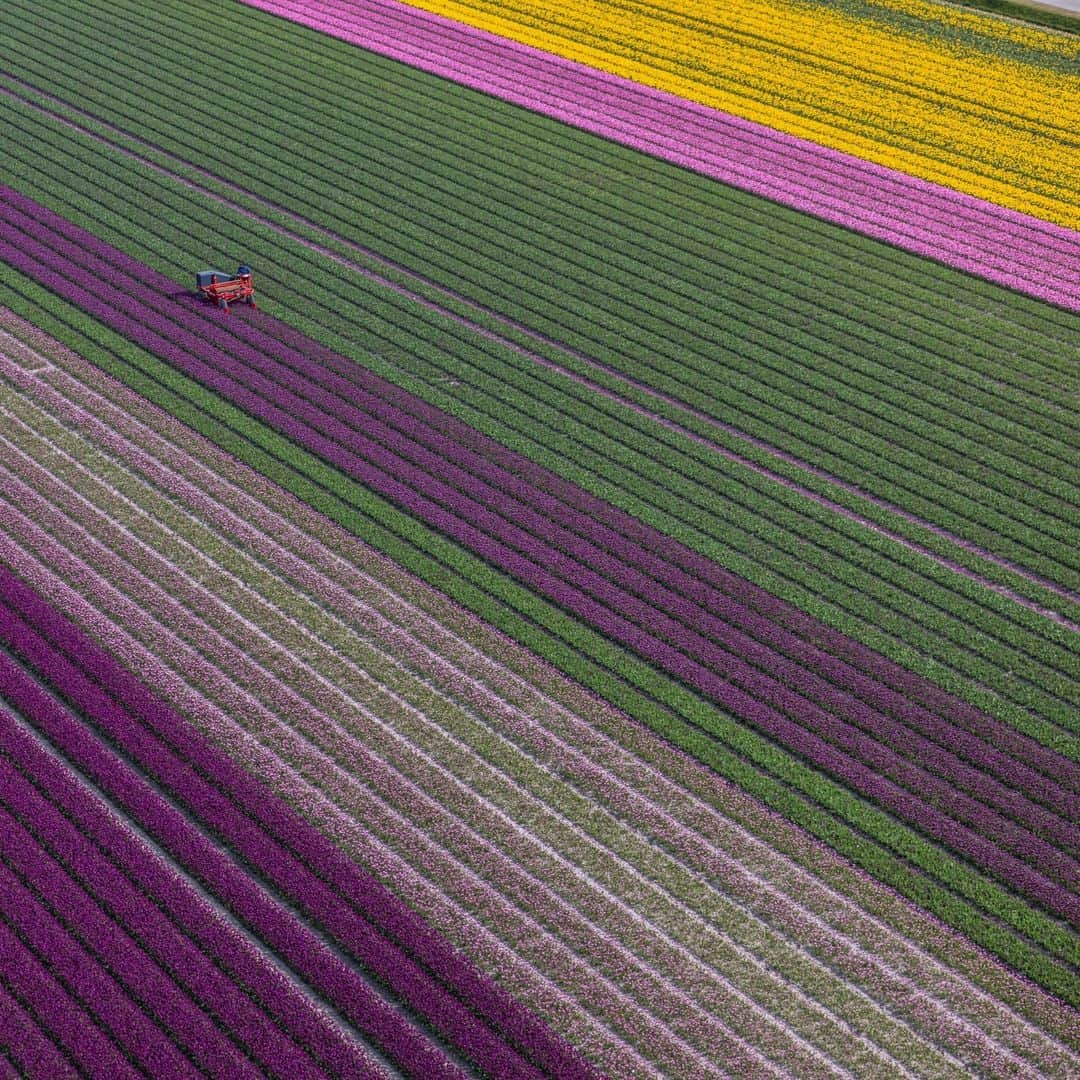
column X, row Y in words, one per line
column 206, row 955
column 22, row 1037
column 131, row 907
column 89, row 1020
column 262, row 854
column 662, row 584
column 321, row 896
column 764, row 700
column 120, row 969
column 235, row 889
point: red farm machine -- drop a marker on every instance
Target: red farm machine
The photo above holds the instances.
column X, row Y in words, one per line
column 225, row 289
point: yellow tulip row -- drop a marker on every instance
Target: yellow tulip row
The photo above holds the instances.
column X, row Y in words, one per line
column 1004, row 30
column 951, row 108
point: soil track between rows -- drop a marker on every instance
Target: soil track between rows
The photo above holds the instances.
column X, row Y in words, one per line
column 545, row 361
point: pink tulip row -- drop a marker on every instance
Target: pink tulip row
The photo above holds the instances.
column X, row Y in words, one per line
column 1001, row 245
column 288, row 853
column 749, row 886
column 811, row 703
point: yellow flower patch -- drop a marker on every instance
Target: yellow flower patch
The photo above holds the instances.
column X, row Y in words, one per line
column 977, row 103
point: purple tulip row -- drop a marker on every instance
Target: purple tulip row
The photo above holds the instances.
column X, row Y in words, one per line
column 81, row 1008
column 1001, row 245
column 331, row 978
column 54, row 1008
column 114, row 424
column 30, row 1050
column 768, row 704
column 125, row 983
column 670, row 572
column 477, row 1016
column 187, row 943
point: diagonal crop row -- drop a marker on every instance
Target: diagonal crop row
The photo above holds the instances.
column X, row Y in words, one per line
column 73, row 997
column 27, row 1049
column 653, row 646
column 617, row 602
column 1012, row 665
column 408, row 620
column 201, row 507
column 140, row 1003
column 586, row 657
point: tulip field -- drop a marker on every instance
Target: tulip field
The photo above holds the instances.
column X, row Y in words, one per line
column 611, row 610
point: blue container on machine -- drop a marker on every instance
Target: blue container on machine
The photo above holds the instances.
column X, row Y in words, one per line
column 202, row 277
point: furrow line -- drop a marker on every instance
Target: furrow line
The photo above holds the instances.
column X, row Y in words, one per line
column 629, row 382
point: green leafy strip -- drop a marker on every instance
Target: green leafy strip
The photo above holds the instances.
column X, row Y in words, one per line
column 857, row 581
column 440, row 236
column 825, row 808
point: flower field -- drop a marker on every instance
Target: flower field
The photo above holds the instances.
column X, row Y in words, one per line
column 976, row 104
column 611, row 611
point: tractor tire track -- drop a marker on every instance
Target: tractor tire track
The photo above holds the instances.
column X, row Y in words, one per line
column 544, row 361
column 120, row 420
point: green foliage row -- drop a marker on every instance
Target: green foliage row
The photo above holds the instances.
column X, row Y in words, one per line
column 442, row 230
column 967, row 639
column 895, row 854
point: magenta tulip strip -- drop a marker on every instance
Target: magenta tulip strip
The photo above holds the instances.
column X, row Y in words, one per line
column 959, row 230
column 610, row 611
column 301, row 399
